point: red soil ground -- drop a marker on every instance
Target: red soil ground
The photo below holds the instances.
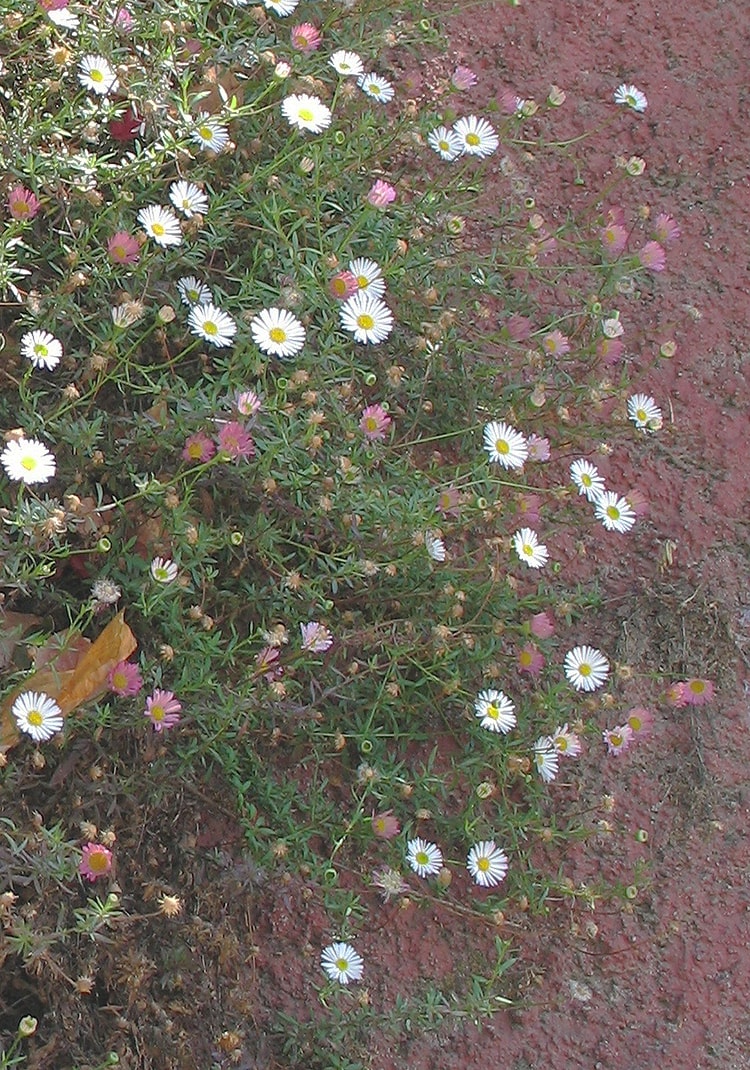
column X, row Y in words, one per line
column 668, row 985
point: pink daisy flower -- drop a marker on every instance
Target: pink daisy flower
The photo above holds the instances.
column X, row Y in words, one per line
column 96, row 862
column 374, row 423
column 125, row 679
column 266, row 660
column 518, row 328
column 538, row 448
column 234, row 440
column 22, row 204
column 124, row 21
column 381, row 194
column 448, row 502
column 248, row 403
column 163, row 709
column 343, row 286
column 541, row 625
column 198, row 448
column 305, row 38
column 610, row 350
column 123, row 248
column 529, row 506
column 463, row 78
column 697, row 692
column 315, row 637
column 566, row 743
column 385, row 826
column 652, row 256
column 639, row 721
column 555, row 344
column 666, row 229
column 676, row 696
column 618, row 739
column 614, row 238
column 530, row 660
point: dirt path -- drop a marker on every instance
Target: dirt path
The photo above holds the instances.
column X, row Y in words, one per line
column 667, row 985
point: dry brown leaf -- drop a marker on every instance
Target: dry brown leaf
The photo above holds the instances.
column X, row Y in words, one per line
column 72, row 685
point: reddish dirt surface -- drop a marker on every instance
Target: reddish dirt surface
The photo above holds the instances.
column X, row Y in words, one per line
column 668, row 984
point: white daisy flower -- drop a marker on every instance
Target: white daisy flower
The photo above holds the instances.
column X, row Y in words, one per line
column 278, row 332
column 369, row 319
column 495, row 711
column 42, row 349
column 375, row 86
column 306, row 112
column 614, row 512
column 161, row 224
column 476, row 136
column 212, row 325
column 631, row 97
column 346, row 63
column 435, row 546
column 209, row 133
column 368, row 275
column 586, row 668
column 644, row 412
column 193, row 292
column 487, row 863
column 95, row 73
column 426, row 859
column 188, row 198
column 342, row 963
column 28, row 461
column 505, row 445
column 586, row 477
column 546, row 759
column 281, row 7
column 163, row 570
column 446, row 143
column 37, row 715
column 529, row 549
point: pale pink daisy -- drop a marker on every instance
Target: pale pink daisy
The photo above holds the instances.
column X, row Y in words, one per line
column 163, row 709
column 385, row 825
column 666, row 229
column 125, row 679
column 22, row 204
column 542, row 625
column 697, row 692
column 639, row 721
column 381, row 194
column 305, row 38
column 614, row 238
column 652, row 256
column 96, row 861
column 248, row 403
column 234, row 441
column 265, row 661
column 449, row 501
column 555, row 344
column 463, row 78
column 610, row 350
column 618, row 738
column 316, row 638
column 343, row 285
column 198, row 448
column 518, row 328
column 676, row 696
column 529, row 508
column 374, row 423
column 538, row 448
column 530, row 660
column 123, row 248
column 566, row 743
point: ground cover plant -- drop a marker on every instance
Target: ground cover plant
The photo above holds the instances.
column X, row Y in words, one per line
column 293, row 476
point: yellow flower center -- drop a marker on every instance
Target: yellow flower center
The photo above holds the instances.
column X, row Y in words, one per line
column 641, row 415
column 277, row 334
column 365, row 321
column 525, row 658
column 21, row 208
column 35, row 718
column 586, row 480
column 584, row 669
column 29, row 463
column 210, row 328
column 502, row 446
column 158, row 230
column 96, row 76
column 613, row 512
column 371, row 424
column 472, row 139
column 342, row 965
column 158, row 713
column 423, row 858
column 528, row 550
column 492, row 712
column 363, row 282
column 561, row 743
column 119, row 252
column 98, row 862
column 697, row 687
column 40, row 350
column 374, row 88
column 119, row 680
column 635, row 723
column 206, row 133
column 306, row 115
